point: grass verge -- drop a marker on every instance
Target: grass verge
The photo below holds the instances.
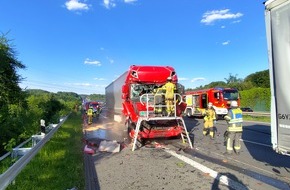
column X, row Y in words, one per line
column 59, row 164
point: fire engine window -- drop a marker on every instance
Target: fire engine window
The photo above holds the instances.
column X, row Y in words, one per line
column 216, row 95
column 231, row 95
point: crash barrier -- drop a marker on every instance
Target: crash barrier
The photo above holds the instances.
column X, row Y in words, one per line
column 26, row 154
column 19, row 146
column 258, row 114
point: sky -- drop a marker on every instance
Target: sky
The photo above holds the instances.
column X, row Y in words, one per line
column 82, row 46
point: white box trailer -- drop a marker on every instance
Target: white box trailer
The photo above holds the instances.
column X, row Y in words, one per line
column 277, row 17
column 114, row 98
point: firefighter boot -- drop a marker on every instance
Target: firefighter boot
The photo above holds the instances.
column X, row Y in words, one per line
column 205, row 132
column 211, row 134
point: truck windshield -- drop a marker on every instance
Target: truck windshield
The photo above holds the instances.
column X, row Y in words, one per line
column 138, row 89
column 231, row 94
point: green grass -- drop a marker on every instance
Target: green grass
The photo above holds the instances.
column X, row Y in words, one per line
column 257, row 118
column 6, row 163
column 59, row 164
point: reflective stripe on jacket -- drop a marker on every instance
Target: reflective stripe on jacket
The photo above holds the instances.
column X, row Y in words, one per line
column 235, row 120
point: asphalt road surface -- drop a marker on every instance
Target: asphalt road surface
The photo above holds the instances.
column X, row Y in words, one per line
column 173, row 165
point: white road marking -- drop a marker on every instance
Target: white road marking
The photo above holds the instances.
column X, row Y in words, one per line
column 256, row 143
column 222, row 178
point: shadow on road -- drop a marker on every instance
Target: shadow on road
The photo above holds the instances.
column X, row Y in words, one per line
column 257, row 141
column 233, row 182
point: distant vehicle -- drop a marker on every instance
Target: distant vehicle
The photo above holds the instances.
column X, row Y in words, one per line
column 246, row 109
column 277, row 28
column 95, row 105
column 221, row 99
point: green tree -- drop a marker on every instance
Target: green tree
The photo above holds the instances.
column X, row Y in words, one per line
column 216, row 84
column 97, row 97
column 233, row 79
column 259, row 79
column 12, row 98
column 9, row 79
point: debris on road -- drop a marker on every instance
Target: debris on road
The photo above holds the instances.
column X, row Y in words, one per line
column 109, row 146
column 89, row 150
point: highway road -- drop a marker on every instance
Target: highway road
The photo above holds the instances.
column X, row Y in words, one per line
column 176, row 166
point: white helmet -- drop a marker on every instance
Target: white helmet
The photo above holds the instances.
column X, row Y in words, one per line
column 209, row 104
column 234, row 104
column 169, row 78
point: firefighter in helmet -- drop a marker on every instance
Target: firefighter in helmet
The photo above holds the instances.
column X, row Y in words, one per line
column 90, row 115
column 234, row 131
column 209, row 120
column 169, row 88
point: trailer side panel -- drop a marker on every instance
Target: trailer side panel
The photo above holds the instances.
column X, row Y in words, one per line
column 278, row 28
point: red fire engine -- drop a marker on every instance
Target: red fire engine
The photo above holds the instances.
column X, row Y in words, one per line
column 136, row 99
column 221, row 98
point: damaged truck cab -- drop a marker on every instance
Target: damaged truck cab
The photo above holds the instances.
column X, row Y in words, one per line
column 137, row 99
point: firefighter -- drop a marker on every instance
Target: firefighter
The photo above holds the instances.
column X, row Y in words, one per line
column 209, row 120
column 90, row 115
column 169, row 88
column 234, row 131
column 158, row 101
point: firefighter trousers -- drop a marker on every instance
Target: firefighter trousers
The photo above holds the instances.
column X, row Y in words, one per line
column 208, row 129
column 90, row 119
column 169, row 106
column 233, row 142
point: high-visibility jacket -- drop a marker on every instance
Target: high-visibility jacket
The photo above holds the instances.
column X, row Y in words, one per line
column 235, row 120
column 169, row 87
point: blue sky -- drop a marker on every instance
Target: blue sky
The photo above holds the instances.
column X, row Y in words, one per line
column 83, row 45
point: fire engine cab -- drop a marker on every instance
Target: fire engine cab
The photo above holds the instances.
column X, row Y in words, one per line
column 221, row 99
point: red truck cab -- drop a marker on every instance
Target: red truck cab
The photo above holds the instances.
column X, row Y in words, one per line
column 132, row 99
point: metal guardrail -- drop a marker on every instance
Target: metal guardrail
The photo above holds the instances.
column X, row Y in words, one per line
column 9, row 153
column 9, row 175
column 257, row 114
